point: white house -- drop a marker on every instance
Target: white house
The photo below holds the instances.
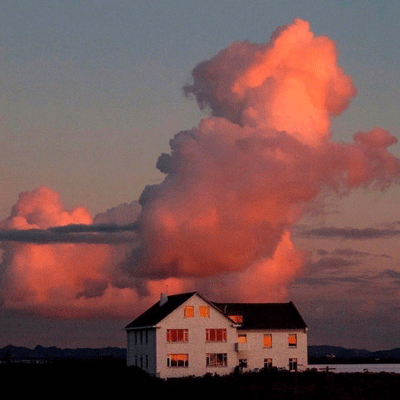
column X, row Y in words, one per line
column 186, row 334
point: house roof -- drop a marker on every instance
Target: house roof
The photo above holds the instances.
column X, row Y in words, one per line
column 265, row 315
column 156, row 313
column 255, row 315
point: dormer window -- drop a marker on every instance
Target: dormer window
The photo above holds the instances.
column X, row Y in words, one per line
column 237, row 318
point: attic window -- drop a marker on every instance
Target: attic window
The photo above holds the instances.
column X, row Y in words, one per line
column 237, row 318
column 188, row 312
column 204, row 311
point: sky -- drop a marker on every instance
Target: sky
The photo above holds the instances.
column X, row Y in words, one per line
column 264, row 195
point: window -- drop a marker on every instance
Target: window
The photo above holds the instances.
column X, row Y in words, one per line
column 242, row 338
column 243, row 363
column 188, row 312
column 237, row 318
column 216, row 360
column 177, row 360
column 141, row 336
column 204, row 311
column 216, row 335
column 267, row 340
column 292, row 364
column 292, row 340
column 177, row 335
column 267, row 362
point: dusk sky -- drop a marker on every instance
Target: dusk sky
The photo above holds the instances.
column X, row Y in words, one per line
column 283, row 183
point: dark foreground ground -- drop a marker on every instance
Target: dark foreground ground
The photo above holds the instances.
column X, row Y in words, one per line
column 111, row 379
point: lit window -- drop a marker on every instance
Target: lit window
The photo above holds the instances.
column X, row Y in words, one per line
column 188, row 312
column 216, row 360
column 292, row 364
column 204, row 311
column 216, row 335
column 177, row 335
column 242, row 338
column 267, row 362
column 292, row 340
column 237, row 318
column 177, row 360
column 267, row 340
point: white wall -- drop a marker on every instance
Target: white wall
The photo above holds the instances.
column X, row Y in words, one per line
column 280, row 352
column 196, row 347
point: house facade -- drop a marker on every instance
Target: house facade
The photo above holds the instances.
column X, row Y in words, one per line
column 186, row 334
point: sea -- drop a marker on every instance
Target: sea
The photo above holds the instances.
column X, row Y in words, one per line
column 394, row 368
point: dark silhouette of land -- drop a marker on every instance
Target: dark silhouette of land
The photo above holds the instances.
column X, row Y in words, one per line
column 316, row 355
column 341, row 355
column 51, row 372
column 110, row 378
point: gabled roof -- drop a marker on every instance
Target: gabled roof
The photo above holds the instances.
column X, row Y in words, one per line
column 255, row 315
column 265, row 315
column 157, row 313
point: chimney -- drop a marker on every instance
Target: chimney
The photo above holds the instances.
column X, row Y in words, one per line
column 163, row 299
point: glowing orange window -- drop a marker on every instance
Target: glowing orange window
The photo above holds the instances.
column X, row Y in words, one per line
column 177, row 360
column 237, row 318
column 242, row 338
column 292, row 340
column 188, row 312
column 267, row 340
column 204, row 311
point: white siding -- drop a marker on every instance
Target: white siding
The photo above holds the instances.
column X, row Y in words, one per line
column 280, row 352
column 196, row 347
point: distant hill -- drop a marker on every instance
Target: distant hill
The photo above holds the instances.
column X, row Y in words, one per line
column 40, row 353
column 335, row 354
column 316, row 354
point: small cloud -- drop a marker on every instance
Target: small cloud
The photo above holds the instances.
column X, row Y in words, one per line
column 388, row 273
column 332, row 263
column 313, row 281
column 350, row 233
column 350, row 253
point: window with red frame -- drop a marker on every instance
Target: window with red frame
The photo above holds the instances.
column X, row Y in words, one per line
column 177, row 335
column 216, row 335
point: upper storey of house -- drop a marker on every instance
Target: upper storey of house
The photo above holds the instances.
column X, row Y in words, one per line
column 244, row 315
